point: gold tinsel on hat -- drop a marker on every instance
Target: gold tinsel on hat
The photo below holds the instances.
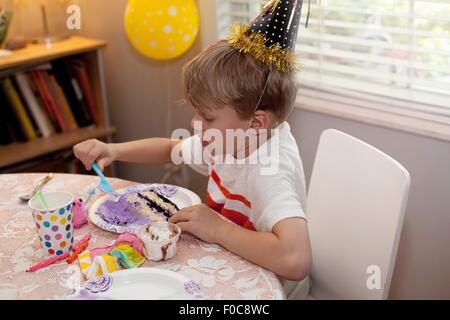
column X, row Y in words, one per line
column 255, row 44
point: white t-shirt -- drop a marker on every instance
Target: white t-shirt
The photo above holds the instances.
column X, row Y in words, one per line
column 267, row 188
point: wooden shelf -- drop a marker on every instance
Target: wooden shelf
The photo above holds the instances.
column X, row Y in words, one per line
column 36, row 53
column 88, row 50
column 20, row 152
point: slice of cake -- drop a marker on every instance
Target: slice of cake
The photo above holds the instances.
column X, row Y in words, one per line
column 141, row 207
column 158, row 203
column 137, row 208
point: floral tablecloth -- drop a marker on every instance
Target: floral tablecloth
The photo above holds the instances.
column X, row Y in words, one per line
column 220, row 274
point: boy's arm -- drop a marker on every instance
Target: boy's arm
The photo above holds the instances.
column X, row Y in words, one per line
column 284, row 251
column 146, row 151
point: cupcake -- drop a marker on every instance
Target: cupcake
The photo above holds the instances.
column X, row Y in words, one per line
column 160, row 240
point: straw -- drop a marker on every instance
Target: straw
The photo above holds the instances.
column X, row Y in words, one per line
column 41, row 199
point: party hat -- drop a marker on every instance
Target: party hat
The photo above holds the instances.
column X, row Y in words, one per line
column 272, row 36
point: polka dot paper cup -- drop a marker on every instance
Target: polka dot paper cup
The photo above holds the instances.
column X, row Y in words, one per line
column 54, row 225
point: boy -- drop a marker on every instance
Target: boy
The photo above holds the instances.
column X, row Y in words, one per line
column 245, row 84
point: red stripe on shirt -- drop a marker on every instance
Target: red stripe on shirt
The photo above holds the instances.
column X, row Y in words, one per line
column 212, row 204
column 235, row 216
column 227, row 193
column 238, row 218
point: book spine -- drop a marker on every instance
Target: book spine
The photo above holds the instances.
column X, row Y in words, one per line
column 82, row 76
column 45, row 103
column 6, row 134
column 51, row 101
column 15, row 128
column 33, row 105
column 19, row 109
column 72, row 91
column 40, row 102
column 54, row 99
column 25, row 105
column 62, row 102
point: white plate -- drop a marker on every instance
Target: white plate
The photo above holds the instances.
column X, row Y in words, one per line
column 140, row 284
column 180, row 196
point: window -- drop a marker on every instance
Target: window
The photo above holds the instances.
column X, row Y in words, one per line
column 394, row 52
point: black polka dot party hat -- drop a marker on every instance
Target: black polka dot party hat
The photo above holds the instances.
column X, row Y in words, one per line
column 272, row 36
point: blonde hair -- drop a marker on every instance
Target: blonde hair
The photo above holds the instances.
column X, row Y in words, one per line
column 222, row 76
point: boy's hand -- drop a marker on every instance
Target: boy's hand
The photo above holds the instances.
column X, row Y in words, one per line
column 200, row 221
column 95, row 150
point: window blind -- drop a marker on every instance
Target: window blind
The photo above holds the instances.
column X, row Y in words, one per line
column 371, row 49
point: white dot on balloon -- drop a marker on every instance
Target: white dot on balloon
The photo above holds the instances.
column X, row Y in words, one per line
column 170, row 48
column 180, row 32
column 172, row 11
column 151, row 30
column 168, row 28
column 187, row 38
column 153, row 43
column 170, row 40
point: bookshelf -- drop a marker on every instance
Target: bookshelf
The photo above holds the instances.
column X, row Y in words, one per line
column 89, row 51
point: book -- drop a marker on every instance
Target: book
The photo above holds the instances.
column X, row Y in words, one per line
column 54, row 101
column 40, row 93
column 18, row 108
column 25, row 105
column 51, row 101
column 61, row 100
column 6, row 133
column 33, row 105
column 80, row 71
column 72, row 92
column 40, row 102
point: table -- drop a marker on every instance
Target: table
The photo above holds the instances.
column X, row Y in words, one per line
column 220, row 273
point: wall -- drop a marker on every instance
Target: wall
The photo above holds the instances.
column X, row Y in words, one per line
column 422, row 270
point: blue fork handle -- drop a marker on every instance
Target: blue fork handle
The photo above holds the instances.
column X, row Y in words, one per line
column 98, row 171
column 102, row 177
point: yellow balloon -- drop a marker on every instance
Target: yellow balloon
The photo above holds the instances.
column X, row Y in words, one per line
column 162, row 30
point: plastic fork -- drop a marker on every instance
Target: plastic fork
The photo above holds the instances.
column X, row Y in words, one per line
column 104, row 185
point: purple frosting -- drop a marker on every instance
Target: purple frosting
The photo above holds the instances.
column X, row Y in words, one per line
column 165, row 190
column 121, row 213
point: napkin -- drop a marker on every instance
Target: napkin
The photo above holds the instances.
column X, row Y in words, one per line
column 125, row 253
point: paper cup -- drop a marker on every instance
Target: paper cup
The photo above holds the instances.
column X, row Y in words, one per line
column 159, row 250
column 54, row 225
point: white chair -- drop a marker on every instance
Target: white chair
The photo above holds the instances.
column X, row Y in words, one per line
column 356, row 204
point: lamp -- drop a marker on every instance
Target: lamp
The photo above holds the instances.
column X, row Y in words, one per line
column 48, row 39
column 50, row 15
